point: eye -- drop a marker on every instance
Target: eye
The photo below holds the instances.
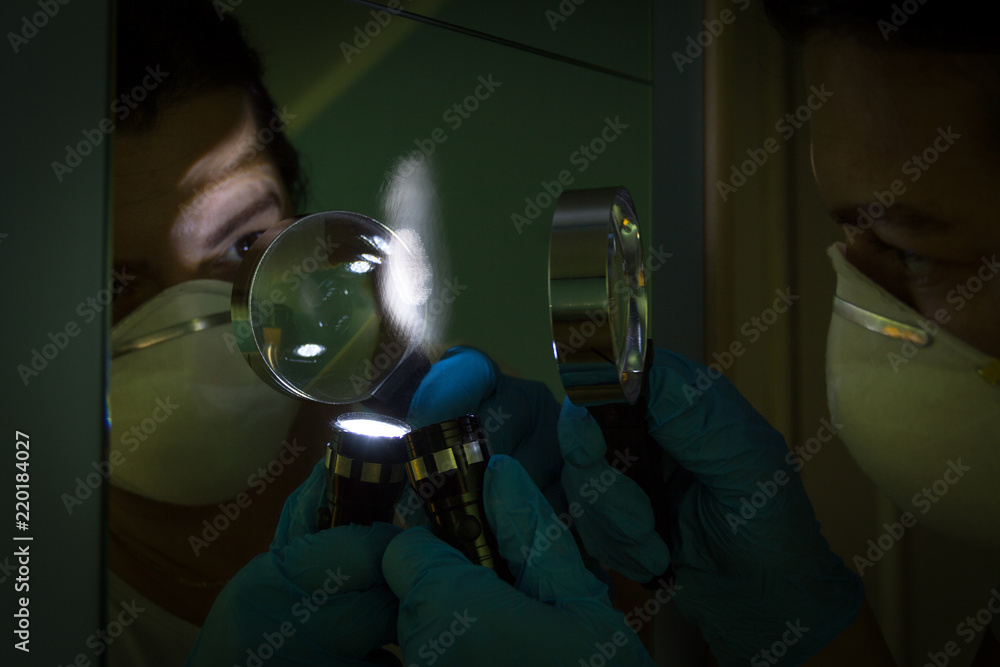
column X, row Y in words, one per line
column 917, row 266
column 126, row 286
column 236, row 252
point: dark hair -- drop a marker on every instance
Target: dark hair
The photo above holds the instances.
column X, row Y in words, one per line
column 960, row 26
column 204, row 49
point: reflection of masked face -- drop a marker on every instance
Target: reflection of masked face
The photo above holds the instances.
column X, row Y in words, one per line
column 919, row 408
column 190, row 420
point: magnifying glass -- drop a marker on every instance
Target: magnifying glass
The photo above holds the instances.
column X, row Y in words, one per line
column 329, row 307
column 599, row 312
column 597, row 296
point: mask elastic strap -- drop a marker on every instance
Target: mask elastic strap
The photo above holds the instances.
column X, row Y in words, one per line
column 991, row 372
column 895, row 329
column 881, row 324
column 171, row 332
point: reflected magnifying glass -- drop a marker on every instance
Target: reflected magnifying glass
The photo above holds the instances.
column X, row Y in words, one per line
column 599, row 312
column 329, row 307
column 597, row 296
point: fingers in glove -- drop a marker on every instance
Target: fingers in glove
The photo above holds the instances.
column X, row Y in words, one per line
column 616, row 521
column 322, row 595
column 707, row 426
column 520, row 420
column 518, row 417
column 536, row 544
column 298, row 516
column 453, row 387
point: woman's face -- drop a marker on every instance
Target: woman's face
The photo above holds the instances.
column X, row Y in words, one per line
column 917, row 135
column 190, row 195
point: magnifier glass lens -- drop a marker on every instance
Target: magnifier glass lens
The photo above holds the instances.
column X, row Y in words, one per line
column 618, row 293
column 627, row 295
column 597, row 296
column 329, row 316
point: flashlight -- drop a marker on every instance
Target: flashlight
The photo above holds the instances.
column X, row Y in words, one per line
column 447, row 466
column 365, row 470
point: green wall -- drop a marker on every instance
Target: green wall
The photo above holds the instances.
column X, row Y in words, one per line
column 535, row 122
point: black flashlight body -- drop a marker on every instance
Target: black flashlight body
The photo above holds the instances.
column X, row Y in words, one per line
column 447, row 466
column 365, row 476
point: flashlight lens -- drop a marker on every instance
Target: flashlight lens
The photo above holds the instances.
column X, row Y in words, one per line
column 365, row 474
column 372, row 425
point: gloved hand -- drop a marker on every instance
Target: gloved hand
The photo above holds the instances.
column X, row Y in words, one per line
column 452, row 612
column 312, row 599
column 519, row 416
column 751, row 567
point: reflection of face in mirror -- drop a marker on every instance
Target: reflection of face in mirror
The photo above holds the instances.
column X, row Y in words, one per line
column 224, row 194
column 904, row 154
column 929, row 133
column 203, row 454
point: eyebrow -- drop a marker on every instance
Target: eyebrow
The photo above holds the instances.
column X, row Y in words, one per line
column 265, row 203
column 896, row 216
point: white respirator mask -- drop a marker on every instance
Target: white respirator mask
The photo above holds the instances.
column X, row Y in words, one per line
column 918, row 408
column 190, row 421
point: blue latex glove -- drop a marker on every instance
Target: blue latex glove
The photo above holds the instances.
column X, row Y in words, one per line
column 750, row 563
column 312, row 599
column 520, row 417
column 452, row 612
